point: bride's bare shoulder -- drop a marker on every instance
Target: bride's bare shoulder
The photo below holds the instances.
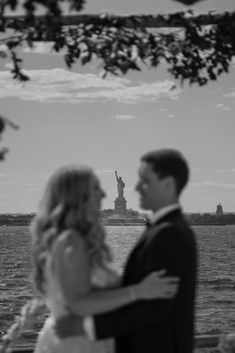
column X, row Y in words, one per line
column 69, row 237
column 70, row 248
column 72, row 264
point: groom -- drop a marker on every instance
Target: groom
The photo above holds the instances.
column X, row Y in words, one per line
column 162, row 325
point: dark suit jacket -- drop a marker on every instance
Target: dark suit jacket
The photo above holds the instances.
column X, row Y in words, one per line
column 162, row 325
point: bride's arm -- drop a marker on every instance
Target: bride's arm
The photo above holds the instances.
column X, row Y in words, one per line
column 117, row 282
column 73, row 270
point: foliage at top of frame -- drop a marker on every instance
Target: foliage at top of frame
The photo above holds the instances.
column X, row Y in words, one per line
column 192, row 51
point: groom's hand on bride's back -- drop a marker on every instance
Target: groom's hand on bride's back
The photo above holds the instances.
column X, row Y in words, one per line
column 69, row 325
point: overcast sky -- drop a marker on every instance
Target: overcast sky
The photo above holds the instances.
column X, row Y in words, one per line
column 74, row 116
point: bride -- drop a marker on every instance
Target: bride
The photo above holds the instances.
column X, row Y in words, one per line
column 72, row 263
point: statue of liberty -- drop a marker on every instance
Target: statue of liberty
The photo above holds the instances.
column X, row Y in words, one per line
column 120, row 185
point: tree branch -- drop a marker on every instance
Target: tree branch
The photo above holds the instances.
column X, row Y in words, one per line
column 202, row 52
column 180, row 19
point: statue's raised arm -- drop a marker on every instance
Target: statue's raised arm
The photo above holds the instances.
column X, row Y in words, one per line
column 116, row 175
column 120, row 185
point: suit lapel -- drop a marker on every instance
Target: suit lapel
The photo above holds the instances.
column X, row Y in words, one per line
column 153, row 230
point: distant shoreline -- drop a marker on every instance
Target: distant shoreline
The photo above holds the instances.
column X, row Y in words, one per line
column 132, row 218
column 120, row 224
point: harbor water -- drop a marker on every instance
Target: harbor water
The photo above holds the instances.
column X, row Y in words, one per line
column 215, row 303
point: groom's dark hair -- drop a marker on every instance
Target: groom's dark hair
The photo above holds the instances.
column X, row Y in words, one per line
column 169, row 162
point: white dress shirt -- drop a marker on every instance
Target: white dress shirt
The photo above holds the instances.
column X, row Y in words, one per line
column 155, row 216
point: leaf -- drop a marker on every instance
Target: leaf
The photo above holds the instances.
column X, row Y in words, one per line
column 188, row 2
column 22, row 77
column 5, row 121
column 104, row 74
column 3, row 152
column 85, row 57
column 173, row 87
column 68, row 61
column 12, row 4
column 77, row 5
column 3, row 54
column 2, row 124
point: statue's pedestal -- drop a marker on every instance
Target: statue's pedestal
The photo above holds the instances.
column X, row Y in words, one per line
column 120, row 205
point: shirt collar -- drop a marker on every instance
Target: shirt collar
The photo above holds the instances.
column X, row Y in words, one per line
column 154, row 217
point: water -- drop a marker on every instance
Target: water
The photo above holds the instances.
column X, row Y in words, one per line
column 215, row 308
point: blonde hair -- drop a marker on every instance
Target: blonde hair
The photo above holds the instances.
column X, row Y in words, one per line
column 65, row 206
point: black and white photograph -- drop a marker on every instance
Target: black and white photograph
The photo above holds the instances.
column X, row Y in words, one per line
column 117, row 176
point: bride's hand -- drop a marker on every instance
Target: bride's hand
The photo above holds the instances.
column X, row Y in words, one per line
column 156, row 286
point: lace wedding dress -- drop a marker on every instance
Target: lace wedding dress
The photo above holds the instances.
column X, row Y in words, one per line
column 48, row 341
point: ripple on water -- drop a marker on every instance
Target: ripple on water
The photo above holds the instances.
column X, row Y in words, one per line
column 215, row 309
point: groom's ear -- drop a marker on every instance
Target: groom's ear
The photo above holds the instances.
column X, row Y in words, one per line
column 170, row 184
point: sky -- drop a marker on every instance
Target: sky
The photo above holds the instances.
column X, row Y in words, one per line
column 76, row 117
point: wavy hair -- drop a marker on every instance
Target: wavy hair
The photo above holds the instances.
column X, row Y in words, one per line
column 65, row 206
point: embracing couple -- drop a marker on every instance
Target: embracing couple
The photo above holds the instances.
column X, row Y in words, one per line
column 151, row 307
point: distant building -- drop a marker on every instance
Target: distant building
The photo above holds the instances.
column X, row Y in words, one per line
column 219, row 209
